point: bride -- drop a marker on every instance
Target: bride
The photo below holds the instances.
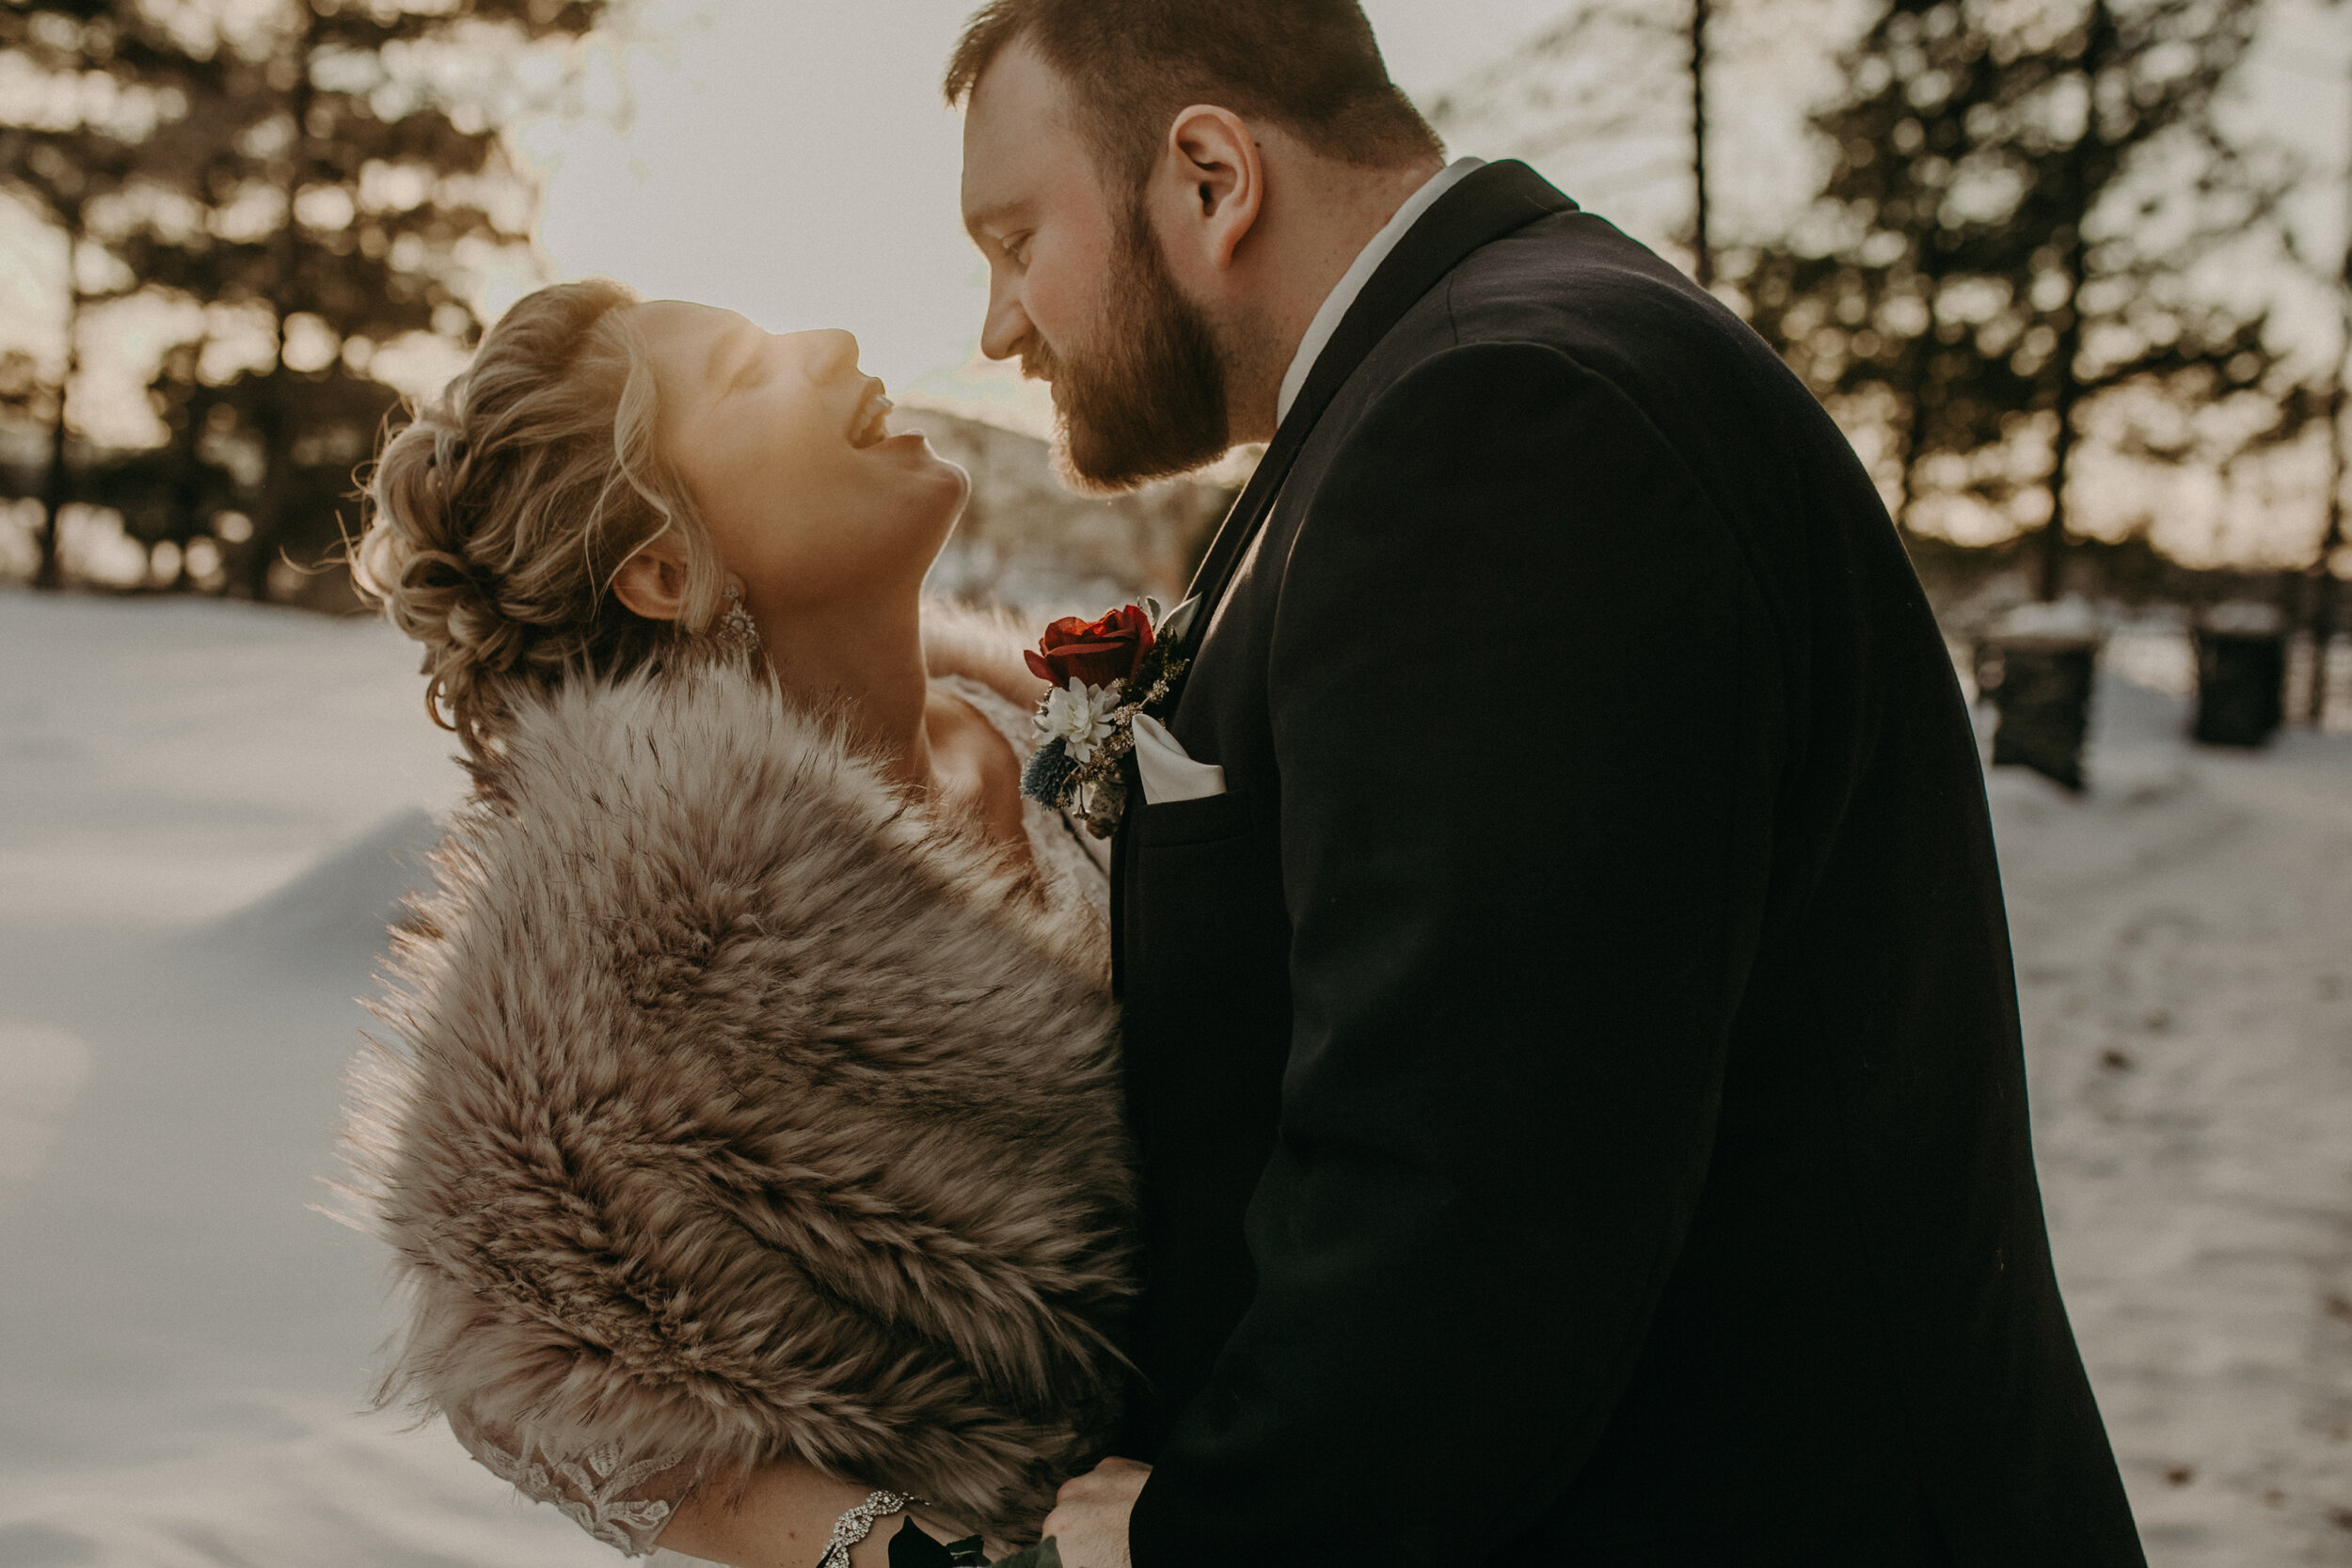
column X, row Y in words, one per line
column 747, row 1131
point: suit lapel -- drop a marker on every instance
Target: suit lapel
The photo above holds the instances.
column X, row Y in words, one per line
column 1491, row 202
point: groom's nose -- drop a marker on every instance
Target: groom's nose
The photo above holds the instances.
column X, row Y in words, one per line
column 1007, row 324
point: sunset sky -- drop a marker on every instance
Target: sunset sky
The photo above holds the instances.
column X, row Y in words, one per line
column 792, row 159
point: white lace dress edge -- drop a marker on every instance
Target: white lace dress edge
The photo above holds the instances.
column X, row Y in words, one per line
column 621, row 1500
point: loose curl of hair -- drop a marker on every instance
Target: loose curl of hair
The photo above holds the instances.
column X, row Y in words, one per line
column 499, row 517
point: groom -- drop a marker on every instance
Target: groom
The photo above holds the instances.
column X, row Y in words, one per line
column 1575, row 1058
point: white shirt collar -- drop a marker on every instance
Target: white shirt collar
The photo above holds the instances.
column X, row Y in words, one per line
column 1351, row 283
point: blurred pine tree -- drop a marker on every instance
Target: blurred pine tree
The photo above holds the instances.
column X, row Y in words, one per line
column 88, row 115
column 1618, row 87
column 2020, row 201
column 322, row 177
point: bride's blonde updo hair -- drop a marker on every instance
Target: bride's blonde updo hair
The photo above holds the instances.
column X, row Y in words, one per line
column 497, row 517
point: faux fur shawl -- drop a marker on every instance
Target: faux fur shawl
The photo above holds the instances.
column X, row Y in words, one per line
column 735, row 1110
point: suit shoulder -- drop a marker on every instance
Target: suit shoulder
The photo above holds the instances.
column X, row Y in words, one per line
column 1489, row 388
column 1575, row 282
column 1564, row 268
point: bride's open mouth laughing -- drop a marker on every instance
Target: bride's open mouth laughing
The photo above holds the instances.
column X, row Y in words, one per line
column 870, row 424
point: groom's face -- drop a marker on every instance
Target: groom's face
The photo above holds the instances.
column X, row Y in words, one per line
column 1080, row 292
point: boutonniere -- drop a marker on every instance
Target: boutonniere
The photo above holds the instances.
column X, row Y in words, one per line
column 1102, row 673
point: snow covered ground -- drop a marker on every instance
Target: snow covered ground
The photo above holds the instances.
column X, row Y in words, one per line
column 2184, row 947
column 195, row 806
column 207, row 809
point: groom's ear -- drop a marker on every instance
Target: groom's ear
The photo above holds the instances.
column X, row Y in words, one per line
column 1219, row 174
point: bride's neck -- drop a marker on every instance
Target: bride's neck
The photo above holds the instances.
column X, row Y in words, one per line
column 866, row 662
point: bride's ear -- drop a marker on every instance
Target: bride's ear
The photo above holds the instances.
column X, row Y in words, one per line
column 652, row 582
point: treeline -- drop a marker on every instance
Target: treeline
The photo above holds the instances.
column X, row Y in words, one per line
column 2020, row 281
column 301, row 186
column 2024, row 276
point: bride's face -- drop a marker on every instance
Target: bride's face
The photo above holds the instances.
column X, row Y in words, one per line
column 785, row 446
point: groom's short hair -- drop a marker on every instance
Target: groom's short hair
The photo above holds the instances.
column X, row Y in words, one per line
column 1311, row 66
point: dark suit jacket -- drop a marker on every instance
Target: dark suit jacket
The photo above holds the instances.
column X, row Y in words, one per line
column 1576, row 1067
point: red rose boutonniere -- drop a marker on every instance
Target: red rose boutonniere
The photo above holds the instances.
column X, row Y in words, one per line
column 1098, row 653
column 1103, row 672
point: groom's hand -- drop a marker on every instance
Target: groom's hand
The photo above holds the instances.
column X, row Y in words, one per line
column 1088, row 1524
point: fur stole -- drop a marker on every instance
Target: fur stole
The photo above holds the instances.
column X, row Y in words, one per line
column 733, row 1109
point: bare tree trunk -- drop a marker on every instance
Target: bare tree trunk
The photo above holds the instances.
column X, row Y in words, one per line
column 2322, row 591
column 56, row 483
column 1701, row 245
column 2053, row 542
column 1915, row 445
column 274, row 417
column 2069, row 392
column 2065, row 361
column 2069, row 398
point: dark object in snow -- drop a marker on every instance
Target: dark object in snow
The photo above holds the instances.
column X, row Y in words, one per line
column 2241, row 687
column 2041, row 684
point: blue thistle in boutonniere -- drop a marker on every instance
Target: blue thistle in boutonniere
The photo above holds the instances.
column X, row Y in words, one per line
column 1102, row 673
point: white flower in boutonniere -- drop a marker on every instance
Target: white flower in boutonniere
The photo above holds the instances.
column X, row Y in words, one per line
column 1080, row 716
column 1102, row 673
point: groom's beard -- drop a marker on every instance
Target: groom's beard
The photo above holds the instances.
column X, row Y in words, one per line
column 1146, row 400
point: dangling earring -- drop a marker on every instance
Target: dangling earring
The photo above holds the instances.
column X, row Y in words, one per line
column 736, row 631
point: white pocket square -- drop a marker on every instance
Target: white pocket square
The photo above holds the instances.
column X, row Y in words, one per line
column 1167, row 773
